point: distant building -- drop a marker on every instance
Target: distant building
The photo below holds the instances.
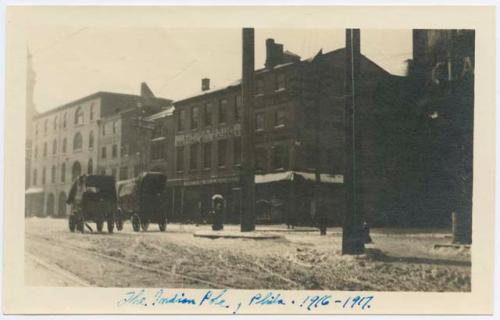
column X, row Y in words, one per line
column 299, row 113
column 88, row 136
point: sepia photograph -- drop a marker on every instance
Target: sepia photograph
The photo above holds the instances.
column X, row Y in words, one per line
column 251, row 157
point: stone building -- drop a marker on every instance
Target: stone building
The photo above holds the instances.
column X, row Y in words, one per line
column 70, row 140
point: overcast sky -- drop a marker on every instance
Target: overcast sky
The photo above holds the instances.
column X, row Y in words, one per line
column 71, row 63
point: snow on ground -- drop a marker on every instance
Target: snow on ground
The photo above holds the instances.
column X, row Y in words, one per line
column 398, row 260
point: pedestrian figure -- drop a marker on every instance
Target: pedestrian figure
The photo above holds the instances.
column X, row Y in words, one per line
column 75, row 198
column 366, row 233
column 321, row 217
column 218, row 209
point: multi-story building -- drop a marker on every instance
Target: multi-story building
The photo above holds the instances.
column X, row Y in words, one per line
column 299, row 138
column 83, row 136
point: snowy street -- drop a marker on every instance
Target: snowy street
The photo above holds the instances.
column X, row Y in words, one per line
column 398, row 260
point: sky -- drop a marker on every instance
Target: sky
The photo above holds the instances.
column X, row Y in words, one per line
column 71, row 63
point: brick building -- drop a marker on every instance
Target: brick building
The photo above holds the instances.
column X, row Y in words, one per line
column 70, row 140
column 299, row 114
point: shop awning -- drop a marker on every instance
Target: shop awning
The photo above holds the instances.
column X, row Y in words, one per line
column 34, row 191
column 290, row 175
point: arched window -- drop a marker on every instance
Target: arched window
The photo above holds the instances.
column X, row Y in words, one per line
column 45, row 125
column 76, row 171
column 65, row 142
column 54, row 146
column 45, row 149
column 55, row 123
column 35, row 177
column 36, row 152
column 91, row 112
column 91, row 139
column 63, row 172
column 36, row 129
column 90, row 167
column 53, row 174
column 44, row 175
column 79, row 115
column 77, row 142
column 64, row 120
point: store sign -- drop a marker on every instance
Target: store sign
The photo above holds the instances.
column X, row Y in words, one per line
column 212, row 181
column 208, row 134
column 442, row 71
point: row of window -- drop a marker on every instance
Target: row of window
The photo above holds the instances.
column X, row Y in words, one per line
column 56, row 122
column 279, row 155
column 76, row 170
column 77, row 145
column 114, row 152
column 207, row 114
column 279, row 84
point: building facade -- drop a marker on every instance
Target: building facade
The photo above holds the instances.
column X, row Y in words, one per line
column 298, row 140
column 81, row 137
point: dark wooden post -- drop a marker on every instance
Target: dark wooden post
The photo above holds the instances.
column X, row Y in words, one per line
column 247, row 132
column 352, row 240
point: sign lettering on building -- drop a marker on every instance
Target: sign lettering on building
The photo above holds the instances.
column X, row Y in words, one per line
column 208, row 134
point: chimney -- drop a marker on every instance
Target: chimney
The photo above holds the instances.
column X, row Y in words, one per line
column 274, row 53
column 146, row 91
column 205, row 84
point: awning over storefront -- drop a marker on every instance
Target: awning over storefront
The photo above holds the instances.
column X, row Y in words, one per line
column 34, row 191
column 290, row 176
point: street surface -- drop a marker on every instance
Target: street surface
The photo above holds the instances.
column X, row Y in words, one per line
column 399, row 260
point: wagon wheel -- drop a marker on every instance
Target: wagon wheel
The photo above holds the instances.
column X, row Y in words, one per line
column 145, row 226
column 136, row 223
column 163, row 225
column 80, row 225
column 119, row 224
column 111, row 223
column 71, row 223
column 99, row 225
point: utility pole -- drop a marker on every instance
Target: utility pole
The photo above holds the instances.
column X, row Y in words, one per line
column 352, row 239
column 247, row 178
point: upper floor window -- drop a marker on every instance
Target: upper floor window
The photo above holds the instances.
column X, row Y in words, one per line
column 45, row 125
column 103, row 129
column 222, row 152
column 279, row 81
column 44, row 175
column 35, row 177
column 259, row 121
column 193, row 156
column 91, row 139
column 103, row 153
column 36, row 152
column 55, row 123
column 260, row 158
column 63, row 172
column 181, row 120
column 195, row 117
column 36, row 128
column 77, row 142
column 64, row 120
column 237, row 150
column 180, row 158
column 280, row 156
column 79, row 116
column 280, row 118
column 207, row 114
column 91, row 112
column 115, row 125
column 114, row 151
column 259, row 88
column 65, row 142
column 54, row 146
column 207, row 155
column 45, row 149
column 237, row 113
column 222, row 110
column 53, row 174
